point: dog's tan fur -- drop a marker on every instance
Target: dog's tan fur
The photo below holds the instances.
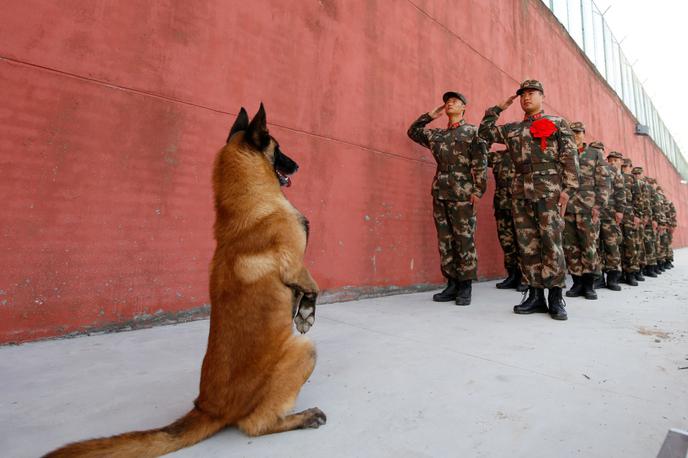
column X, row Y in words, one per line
column 254, row 366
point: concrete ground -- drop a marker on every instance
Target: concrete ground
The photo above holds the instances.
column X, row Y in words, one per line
column 398, row 376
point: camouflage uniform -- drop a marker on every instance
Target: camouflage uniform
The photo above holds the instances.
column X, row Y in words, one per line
column 541, row 174
column 503, row 171
column 658, row 217
column 640, row 210
column 461, row 171
column 650, row 243
column 580, row 233
column 672, row 224
column 610, row 231
column 630, row 262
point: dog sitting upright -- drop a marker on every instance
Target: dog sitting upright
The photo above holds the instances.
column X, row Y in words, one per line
column 254, row 366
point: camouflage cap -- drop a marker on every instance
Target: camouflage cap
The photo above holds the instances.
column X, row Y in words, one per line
column 637, row 170
column 598, row 145
column 627, row 162
column 530, row 84
column 577, row 126
column 614, row 155
column 458, row 95
column 659, row 188
column 651, row 180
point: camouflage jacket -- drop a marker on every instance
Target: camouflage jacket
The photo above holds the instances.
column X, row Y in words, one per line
column 539, row 172
column 657, row 206
column 617, row 197
column 632, row 197
column 594, row 187
column 643, row 209
column 461, row 158
column 672, row 214
column 503, row 171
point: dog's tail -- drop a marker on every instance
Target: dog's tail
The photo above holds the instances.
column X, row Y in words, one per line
column 188, row 430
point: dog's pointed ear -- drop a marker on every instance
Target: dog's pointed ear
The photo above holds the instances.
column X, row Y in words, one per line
column 240, row 123
column 257, row 132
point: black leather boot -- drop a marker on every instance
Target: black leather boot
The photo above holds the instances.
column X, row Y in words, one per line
column 463, row 296
column 448, row 294
column 512, row 280
column 660, row 266
column 522, row 287
column 534, row 303
column 639, row 275
column 629, row 278
column 613, row 280
column 650, row 272
column 669, row 264
column 588, row 288
column 556, row 305
column 577, row 288
column 599, row 281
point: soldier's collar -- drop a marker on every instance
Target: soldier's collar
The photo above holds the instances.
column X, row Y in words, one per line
column 534, row 117
column 454, row 125
column 582, row 148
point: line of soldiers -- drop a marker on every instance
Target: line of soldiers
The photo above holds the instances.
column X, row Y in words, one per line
column 559, row 203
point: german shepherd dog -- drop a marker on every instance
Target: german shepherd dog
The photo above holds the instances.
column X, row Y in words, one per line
column 254, row 366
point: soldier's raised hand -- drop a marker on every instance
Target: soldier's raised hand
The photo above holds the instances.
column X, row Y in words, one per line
column 507, row 103
column 434, row 114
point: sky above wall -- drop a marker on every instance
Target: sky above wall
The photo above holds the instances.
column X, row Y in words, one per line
column 654, row 38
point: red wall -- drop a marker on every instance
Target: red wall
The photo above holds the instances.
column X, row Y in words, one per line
column 112, row 112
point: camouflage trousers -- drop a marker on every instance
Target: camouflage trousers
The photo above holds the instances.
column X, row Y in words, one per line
column 649, row 240
column 670, row 250
column 609, row 246
column 539, row 229
column 506, row 232
column 640, row 246
column 630, row 259
column 580, row 243
column 455, row 224
column 664, row 244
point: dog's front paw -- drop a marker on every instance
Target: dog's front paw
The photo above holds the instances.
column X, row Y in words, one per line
column 314, row 418
column 305, row 313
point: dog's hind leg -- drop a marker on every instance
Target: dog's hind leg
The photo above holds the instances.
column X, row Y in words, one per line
column 279, row 395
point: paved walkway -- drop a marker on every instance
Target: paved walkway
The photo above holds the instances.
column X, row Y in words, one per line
column 398, row 376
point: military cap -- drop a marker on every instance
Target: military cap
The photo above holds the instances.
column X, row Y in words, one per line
column 598, row 145
column 637, row 170
column 530, row 84
column 577, row 126
column 659, row 188
column 458, row 95
column 651, row 180
column 615, row 154
column 627, row 162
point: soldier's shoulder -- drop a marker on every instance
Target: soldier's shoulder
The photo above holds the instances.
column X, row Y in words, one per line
column 558, row 120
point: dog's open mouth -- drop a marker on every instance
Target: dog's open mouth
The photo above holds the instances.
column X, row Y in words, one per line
column 283, row 178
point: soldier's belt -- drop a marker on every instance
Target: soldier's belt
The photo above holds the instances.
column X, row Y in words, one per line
column 528, row 167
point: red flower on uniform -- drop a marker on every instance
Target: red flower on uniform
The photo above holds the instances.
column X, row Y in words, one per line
column 542, row 128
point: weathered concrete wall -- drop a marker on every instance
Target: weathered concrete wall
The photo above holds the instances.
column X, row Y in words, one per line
column 112, row 112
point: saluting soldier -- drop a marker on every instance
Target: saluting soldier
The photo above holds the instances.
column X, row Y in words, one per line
column 629, row 227
column 658, row 217
column 610, row 226
column 672, row 226
column 546, row 176
column 649, row 226
column 459, row 182
column 641, row 211
column 582, row 217
column 664, row 232
column 503, row 171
